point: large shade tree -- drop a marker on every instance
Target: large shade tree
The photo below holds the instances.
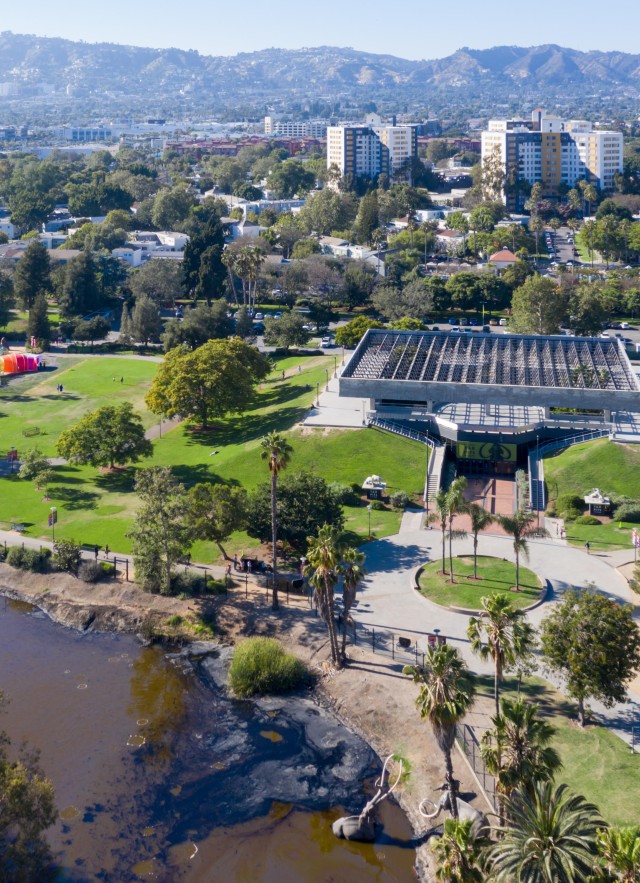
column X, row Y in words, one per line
column 112, row 435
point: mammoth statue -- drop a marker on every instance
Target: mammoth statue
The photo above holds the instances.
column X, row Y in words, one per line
column 466, row 812
column 363, row 827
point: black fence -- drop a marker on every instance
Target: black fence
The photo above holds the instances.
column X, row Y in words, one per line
column 468, row 741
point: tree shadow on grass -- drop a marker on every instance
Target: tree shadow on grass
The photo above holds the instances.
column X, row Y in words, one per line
column 71, row 498
column 121, row 480
column 200, row 473
column 248, row 428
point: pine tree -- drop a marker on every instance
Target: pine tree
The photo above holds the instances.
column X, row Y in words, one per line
column 125, row 325
column 33, row 274
column 145, row 321
column 38, row 325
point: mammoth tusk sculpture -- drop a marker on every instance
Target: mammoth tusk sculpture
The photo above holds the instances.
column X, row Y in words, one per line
column 363, row 827
column 466, row 812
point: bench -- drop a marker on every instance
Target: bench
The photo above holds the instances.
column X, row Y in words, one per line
column 19, row 528
column 29, row 433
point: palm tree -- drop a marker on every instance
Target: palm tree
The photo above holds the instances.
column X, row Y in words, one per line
column 522, row 526
column 455, row 505
column 441, row 504
column 620, row 850
column 447, row 691
column 323, row 556
column 550, row 838
column 537, row 225
column 480, row 519
column 353, row 573
column 507, row 635
column 457, row 853
column 517, row 751
column 277, row 451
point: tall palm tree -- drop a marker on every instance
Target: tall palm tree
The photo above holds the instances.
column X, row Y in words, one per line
column 353, row 573
column 620, row 850
column 456, row 505
column 441, row 505
column 522, row 526
column 277, row 451
column 480, row 519
column 457, row 854
column 501, row 634
column 447, row 690
column 517, row 751
column 550, row 838
column 537, row 225
column 324, row 555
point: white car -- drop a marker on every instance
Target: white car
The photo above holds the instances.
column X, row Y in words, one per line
column 259, row 316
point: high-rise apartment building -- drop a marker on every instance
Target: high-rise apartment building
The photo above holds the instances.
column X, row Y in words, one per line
column 371, row 149
column 295, row 129
column 550, row 151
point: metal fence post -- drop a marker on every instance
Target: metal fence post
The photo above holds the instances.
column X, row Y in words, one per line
column 373, row 640
column 126, row 564
column 393, row 646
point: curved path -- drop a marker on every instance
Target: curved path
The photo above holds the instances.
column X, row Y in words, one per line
column 388, row 600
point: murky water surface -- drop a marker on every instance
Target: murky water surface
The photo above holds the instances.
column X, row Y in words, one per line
column 158, row 776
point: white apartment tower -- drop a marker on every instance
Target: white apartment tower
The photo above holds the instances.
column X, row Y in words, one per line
column 372, row 149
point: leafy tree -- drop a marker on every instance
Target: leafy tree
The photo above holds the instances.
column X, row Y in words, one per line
column 304, row 503
column 480, row 520
column 33, row 275
column 594, row 644
column 457, row 854
column 172, row 207
column 33, row 464
column 67, row 556
column 200, row 324
column 7, row 298
column 619, row 849
column 161, row 534
column 216, row 511
column 244, row 323
column 367, row 219
column 216, row 379
column 27, row 809
column 588, row 311
column 30, row 209
column 91, row 329
column 125, row 325
column 522, row 526
column 286, row 331
column 323, row 556
column 446, row 694
column 203, row 267
column 304, row 248
column 538, row 307
column 38, row 325
column 81, row 292
column 349, row 335
column 146, row 323
column 415, row 300
column 501, row 634
column 326, row 211
column 112, row 435
column 277, row 451
column 550, row 837
column 160, row 280
column 290, row 179
column 517, row 750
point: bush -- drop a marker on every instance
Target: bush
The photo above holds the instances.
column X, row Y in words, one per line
column 551, row 512
column 587, row 519
column 571, row 514
column 261, row 666
column 343, row 493
column 628, row 512
column 189, row 585
column 569, row 501
column 377, row 505
column 67, row 556
column 174, row 621
column 399, row 499
column 35, row 560
column 90, row 572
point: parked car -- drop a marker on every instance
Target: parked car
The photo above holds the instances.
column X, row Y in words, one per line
column 453, row 321
column 473, row 322
column 326, row 342
column 259, row 316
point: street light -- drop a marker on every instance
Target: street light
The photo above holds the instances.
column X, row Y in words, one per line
column 364, row 422
column 326, row 371
column 317, row 395
column 53, row 517
column 369, row 511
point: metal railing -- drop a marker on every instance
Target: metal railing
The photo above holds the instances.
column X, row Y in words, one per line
column 400, row 429
column 561, row 443
column 470, row 744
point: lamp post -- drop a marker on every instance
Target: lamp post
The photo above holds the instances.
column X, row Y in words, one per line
column 335, row 366
column 364, row 422
column 369, row 513
column 53, row 517
column 317, row 395
column 326, row 371
column 483, row 305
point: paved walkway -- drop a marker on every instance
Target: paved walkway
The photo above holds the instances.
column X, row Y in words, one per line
column 389, row 600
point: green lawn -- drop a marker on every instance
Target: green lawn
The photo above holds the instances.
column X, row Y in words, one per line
column 495, row 575
column 97, row 508
column 612, row 467
column 596, row 763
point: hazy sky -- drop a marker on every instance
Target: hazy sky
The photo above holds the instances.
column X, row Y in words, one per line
column 414, row 29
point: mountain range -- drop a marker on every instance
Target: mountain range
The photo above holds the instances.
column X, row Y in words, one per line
column 75, row 69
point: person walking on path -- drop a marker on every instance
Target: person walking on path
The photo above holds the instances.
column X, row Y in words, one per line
column 95, row 552
column 235, row 561
column 587, row 546
column 106, row 551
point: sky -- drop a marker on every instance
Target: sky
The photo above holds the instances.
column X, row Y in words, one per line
column 416, row 29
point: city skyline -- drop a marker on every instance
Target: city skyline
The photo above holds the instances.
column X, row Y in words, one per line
column 427, row 33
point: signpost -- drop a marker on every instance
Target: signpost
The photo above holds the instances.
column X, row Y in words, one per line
column 53, row 517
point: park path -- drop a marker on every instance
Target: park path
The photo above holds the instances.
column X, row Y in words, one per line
column 388, row 600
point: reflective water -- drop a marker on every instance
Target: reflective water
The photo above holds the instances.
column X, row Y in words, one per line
column 159, row 777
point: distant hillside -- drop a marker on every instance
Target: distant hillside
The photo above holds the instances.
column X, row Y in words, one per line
column 32, row 64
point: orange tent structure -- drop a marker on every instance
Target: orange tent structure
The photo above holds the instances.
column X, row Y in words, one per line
column 19, row 363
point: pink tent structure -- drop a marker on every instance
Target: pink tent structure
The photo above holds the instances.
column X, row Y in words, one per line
column 19, row 363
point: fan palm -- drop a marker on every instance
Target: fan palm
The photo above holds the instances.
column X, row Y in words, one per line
column 456, row 853
column 480, row 519
column 522, row 526
column 353, row 573
column 550, row 838
column 447, row 691
column 501, row 634
column 620, row 849
column 517, row 750
column 455, row 505
column 323, row 557
column 277, row 451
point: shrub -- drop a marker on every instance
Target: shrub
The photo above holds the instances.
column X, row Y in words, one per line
column 551, row 512
column 628, row 512
column 67, row 556
column 187, row 584
column 569, row 501
column 343, row 493
column 262, row 666
column 399, row 499
column 90, row 572
column 34, row 560
column 377, row 505
column 587, row 519
column 174, row 621
column 571, row 514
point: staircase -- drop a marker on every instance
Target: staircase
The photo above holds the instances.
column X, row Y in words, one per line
column 537, row 489
column 436, row 457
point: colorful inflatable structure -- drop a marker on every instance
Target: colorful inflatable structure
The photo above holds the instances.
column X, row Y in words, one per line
column 19, row 363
